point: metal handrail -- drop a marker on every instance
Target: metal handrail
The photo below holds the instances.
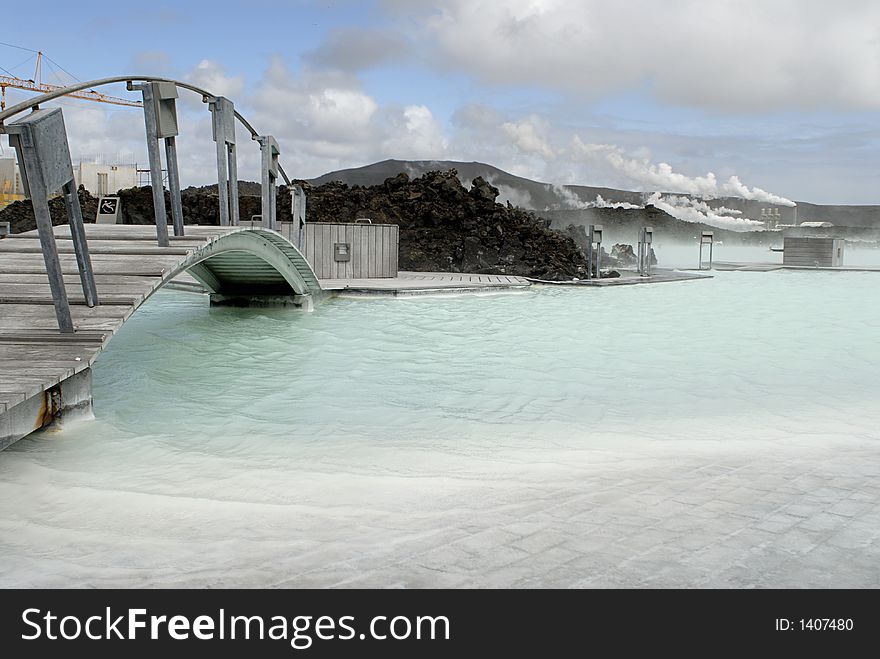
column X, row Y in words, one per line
column 64, row 91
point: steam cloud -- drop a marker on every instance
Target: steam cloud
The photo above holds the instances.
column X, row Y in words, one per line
column 694, row 210
column 568, row 200
column 661, row 176
column 681, row 207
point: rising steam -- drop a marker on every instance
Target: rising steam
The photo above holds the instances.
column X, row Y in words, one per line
column 661, row 177
column 569, row 200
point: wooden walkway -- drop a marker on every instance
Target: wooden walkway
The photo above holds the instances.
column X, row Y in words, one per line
column 769, row 267
column 425, row 283
column 128, row 266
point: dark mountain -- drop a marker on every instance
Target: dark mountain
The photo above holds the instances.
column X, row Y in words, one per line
column 569, row 201
column 519, row 191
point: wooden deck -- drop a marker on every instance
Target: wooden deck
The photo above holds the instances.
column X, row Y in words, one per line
column 128, row 266
column 425, row 283
column 769, row 267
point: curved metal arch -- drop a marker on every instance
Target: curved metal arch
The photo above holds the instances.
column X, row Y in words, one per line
column 100, row 82
column 266, row 246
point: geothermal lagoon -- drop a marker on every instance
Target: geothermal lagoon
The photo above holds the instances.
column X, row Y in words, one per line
column 717, row 433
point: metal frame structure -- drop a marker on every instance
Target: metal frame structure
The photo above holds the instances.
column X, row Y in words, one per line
column 706, row 238
column 206, row 95
column 160, row 120
column 40, row 141
column 223, row 125
column 269, row 152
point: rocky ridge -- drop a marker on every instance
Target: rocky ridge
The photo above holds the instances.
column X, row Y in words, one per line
column 444, row 226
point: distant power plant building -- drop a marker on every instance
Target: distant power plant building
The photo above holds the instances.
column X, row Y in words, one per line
column 102, row 180
column 11, row 188
column 775, row 217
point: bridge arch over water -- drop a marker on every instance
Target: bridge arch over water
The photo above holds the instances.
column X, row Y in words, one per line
column 251, row 264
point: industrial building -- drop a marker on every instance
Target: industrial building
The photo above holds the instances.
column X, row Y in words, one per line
column 102, row 180
column 99, row 179
column 776, row 217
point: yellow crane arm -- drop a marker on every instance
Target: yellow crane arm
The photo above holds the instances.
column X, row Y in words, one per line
column 87, row 94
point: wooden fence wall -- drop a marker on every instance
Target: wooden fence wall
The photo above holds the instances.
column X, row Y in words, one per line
column 372, row 250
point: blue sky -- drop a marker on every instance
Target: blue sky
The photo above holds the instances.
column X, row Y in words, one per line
column 783, row 95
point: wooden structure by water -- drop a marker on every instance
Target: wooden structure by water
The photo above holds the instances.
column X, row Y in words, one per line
column 351, row 251
column 812, row 252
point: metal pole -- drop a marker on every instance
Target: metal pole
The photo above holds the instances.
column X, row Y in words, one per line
column 589, row 258
column 223, row 182
column 80, row 246
column 273, row 201
column 640, row 256
column 40, row 201
column 174, row 184
column 233, row 185
column 155, row 163
column 266, row 183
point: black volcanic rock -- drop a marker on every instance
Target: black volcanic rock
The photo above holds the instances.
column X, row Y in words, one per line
column 448, row 228
column 20, row 214
column 443, row 225
column 624, row 254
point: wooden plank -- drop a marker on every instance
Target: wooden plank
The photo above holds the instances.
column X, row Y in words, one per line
column 370, row 253
column 326, row 251
column 121, row 248
column 101, row 264
column 53, row 336
column 382, row 269
column 22, row 241
column 49, row 351
column 395, row 243
column 356, row 256
column 73, row 287
column 13, row 322
column 73, row 299
column 73, row 278
column 334, row 264
column 309, row 244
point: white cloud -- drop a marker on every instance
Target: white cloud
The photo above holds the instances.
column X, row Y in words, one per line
column 527, row 135
column 325, row 120
column 212, row 76
column 721, row 55
column 356, row 49
column 414, row 134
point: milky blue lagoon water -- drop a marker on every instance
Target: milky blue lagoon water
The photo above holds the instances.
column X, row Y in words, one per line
column 698, row 433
